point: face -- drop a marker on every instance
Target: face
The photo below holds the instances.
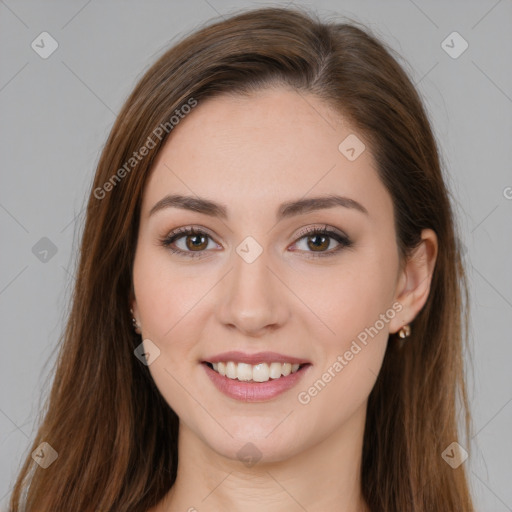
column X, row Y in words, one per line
column 261, row 276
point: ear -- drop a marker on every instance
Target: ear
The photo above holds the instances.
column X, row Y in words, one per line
column 132, row 301
column 134, row 311
column 414, row 281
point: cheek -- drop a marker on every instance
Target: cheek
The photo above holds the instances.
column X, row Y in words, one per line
column 174, row 303
column 347, row 298
column 171, row 312
column 164, row 294
column 355, row 306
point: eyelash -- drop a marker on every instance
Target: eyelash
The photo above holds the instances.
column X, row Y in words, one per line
column 343, row 241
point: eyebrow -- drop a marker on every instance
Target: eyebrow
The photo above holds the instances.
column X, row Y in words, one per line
column 285, row 210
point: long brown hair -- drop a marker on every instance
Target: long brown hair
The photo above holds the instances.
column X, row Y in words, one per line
column 115, row 435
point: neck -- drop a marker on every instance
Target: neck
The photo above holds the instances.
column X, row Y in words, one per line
column 326, row 476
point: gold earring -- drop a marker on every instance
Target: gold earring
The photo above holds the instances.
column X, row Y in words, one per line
column 405, row 331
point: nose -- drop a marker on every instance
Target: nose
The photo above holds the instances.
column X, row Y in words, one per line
column 253, row 300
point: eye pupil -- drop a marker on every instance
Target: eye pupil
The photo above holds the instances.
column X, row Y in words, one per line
column 316, row 245
column 194, row 245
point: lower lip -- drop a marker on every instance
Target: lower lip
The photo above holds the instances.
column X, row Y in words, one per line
column 254, row 391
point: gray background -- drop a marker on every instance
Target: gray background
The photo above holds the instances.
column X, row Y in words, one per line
column 56, row 114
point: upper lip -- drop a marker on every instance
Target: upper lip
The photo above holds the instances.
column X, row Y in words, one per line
column 258, row 357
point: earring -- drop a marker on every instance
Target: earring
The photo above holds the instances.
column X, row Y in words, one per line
column 405, row 331
column 135, row 324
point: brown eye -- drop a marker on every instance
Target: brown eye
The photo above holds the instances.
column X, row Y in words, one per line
column 196, row 242
column 316, row 241
column 320, row 243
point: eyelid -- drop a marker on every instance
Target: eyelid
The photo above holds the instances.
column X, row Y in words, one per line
column 319, row 227
column 330, row 231
column 343, row 240
column 183, row 232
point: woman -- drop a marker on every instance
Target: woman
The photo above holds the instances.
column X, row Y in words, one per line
column 268, row 310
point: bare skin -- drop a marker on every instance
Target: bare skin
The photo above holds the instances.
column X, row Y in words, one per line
column 251, row 154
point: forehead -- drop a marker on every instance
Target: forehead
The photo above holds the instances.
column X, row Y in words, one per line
column 273, row 144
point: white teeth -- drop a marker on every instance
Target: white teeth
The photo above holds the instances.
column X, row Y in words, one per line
column 261, row 372
column 275, row 370
column 231, row 370
column 287, row 369
column 244, row 371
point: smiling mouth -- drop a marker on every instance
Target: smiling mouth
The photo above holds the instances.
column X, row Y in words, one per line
column 262, row 372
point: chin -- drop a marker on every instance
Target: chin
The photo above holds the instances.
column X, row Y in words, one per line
column 252, row 445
